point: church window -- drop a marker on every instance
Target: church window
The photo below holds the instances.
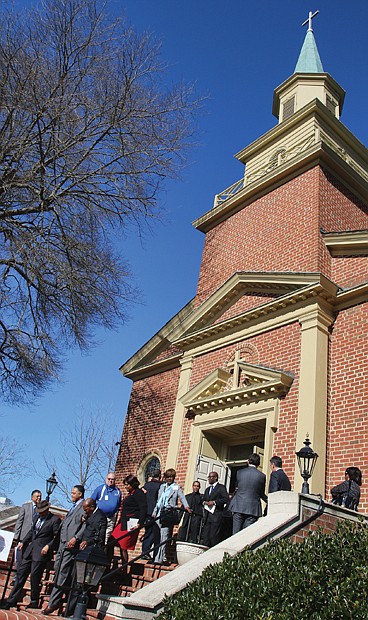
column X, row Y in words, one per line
column 288, row 108
column 152, row 464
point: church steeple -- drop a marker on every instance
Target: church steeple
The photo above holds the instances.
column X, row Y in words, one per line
column 309, row 60
column 308, row 82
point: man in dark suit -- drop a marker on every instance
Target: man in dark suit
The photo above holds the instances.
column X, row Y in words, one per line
column 64, row 562
column 37, row 546
column 95, row 525
column 250, row 489
column 214, row 500
column 278, row 479
column 94, row 533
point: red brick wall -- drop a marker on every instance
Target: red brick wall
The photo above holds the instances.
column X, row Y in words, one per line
column 340, row 209
column 347, row 430
column 278, row 232
column 148, row 422
column 348, row 271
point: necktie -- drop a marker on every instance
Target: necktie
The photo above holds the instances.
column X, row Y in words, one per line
column 38, row 523
column 211, row 488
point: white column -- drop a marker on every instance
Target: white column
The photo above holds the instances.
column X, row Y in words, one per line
column 179, row 413
column 312, row 404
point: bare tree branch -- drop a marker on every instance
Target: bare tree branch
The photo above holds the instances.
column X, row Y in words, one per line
column 87, row 451
column 88, row 134
column 12, row 464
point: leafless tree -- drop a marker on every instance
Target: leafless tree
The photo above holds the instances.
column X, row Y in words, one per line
column 88, row 133
column 12, row 464
column 84, row 453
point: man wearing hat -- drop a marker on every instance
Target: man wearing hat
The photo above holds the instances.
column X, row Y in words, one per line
column 37, row 548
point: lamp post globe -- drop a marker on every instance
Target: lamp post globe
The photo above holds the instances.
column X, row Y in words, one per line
column 51, row 484
column 307, row 459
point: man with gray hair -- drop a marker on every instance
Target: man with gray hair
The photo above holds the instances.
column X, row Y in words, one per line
column 108, row 498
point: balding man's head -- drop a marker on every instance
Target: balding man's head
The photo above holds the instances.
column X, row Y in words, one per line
column 89, row 506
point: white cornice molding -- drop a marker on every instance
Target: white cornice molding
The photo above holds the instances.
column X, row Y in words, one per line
column 347, row 243
column 286, row 308
column 158, row 343
column 240, row 283
column 313, row 109
column 322, row 288
column 347, row 159
column 352, row 297
column 157, row 367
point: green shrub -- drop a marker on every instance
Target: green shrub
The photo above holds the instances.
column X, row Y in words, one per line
column 322, row 578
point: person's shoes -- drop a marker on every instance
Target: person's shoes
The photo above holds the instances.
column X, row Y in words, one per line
column 48, row 610
column 32, row 605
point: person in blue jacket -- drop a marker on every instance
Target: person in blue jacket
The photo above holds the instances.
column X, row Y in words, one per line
column 108, row 498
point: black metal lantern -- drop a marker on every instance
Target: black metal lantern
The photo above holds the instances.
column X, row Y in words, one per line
column 51, row 483
column 90, row 564
column 307, row 459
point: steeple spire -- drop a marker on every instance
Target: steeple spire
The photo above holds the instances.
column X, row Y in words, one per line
column 309, row 60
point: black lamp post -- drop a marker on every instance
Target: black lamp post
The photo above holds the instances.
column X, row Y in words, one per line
column 307, row 459
column 51, row 483
column 91, row 564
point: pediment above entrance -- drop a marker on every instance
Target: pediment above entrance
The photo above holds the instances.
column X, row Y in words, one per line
column 275, row 284
column 194, row 324
column 240, row 383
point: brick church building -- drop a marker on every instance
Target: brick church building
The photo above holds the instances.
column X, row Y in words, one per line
column 274, row 344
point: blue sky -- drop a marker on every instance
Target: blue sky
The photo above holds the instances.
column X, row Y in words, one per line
column 237, row 52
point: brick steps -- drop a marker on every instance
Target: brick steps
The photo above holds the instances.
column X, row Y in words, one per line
column 140, row 574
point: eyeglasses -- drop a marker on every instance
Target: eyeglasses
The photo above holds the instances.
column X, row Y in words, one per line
column 111, row 479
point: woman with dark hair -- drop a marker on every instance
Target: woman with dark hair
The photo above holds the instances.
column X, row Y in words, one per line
column 348, row 492
column 133, row 514
column 190, row 528
column 169, row 494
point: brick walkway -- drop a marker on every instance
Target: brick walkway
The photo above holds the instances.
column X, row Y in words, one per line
column 24, row 615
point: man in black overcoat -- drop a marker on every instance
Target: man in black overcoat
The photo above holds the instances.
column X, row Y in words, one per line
column 215, row 499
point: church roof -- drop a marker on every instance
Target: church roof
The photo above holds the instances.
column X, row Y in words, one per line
column 309, row 60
